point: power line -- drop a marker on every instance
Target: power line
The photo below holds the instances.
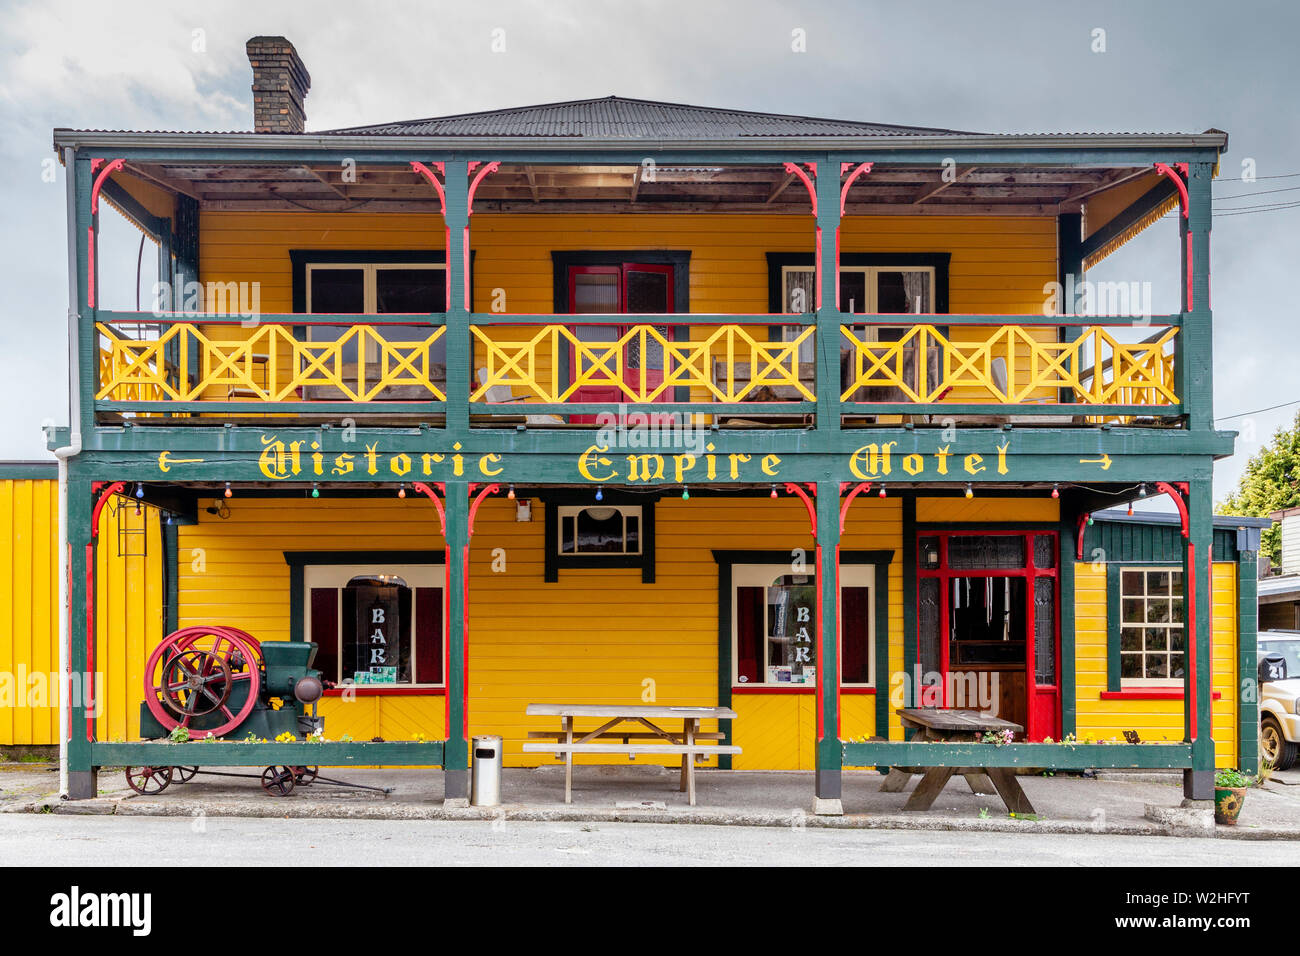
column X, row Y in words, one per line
column 1257, row 411
column 1247, row 210
column 1262, row 192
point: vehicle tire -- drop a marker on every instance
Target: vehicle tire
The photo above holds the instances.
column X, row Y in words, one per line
column 1273, row 745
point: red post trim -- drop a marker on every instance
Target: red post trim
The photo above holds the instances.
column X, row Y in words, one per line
column 818, row 270
column 844, row 508
column 795, row 170
column 427, row 173
column 1191, row 638
column 1078, row 545
column 862, row 170
column 793, row 489
column 88, row 685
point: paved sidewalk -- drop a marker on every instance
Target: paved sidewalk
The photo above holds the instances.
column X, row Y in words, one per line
column 1113, row 803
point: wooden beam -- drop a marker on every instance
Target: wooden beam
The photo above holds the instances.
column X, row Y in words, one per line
column 623, row 207
column 940, row 187
column 779, row 188
column 636, row 184
column 150, row 173
column 532, row 183
column 325, row 179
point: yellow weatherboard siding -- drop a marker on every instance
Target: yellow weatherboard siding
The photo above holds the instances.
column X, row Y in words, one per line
column 998, row 265
column 29, row 624
column 940, row 510
column 1154, row 720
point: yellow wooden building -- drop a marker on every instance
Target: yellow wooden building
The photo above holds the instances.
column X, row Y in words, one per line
column 619, row 401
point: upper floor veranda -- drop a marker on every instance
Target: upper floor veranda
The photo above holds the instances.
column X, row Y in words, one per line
column 796, row 284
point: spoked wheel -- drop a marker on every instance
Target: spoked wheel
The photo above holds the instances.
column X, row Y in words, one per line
column 193, row 673
column 183, row 774
column 278, row 781
column 195, row 682
column 148, row 781
column 304, row 775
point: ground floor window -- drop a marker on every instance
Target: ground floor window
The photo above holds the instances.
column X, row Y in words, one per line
column 376, row 624
column 774, row 625
column 1151, row 626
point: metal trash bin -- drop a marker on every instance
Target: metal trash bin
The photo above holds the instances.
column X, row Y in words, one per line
column 485, row 772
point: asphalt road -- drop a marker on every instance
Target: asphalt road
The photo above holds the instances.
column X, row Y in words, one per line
column 58, row 840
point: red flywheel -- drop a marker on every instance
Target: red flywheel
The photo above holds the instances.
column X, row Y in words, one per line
column 196, row 676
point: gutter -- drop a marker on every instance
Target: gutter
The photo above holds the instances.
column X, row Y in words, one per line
column 108, row 139
column 63, row 454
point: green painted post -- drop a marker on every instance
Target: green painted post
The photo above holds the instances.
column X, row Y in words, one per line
column 830, row 754
column 910, row 691
column 171, row 572
column 456, row 754
column 1069, row 276
column 1198, row 782
column 82, row 782
column 459, row 350
column 88, row 373
column 1197, row 357
column 1247, row 660
column 828, row 315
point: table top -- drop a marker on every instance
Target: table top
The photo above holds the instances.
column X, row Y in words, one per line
column 939, row 718
column 648, row 711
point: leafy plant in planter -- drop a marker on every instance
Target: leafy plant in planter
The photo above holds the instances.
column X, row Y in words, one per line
column 1230, row 788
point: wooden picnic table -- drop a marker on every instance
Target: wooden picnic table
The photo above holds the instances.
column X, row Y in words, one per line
column 608, row 738
column 933, row 723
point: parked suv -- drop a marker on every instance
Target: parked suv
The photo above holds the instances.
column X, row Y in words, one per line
column 1279, row 697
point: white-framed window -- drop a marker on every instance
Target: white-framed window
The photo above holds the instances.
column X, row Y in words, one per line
column 1152, row 626
column 376, row 623
column 863, row 289
column 375, row 288
column 774, row 626
column 599, row 530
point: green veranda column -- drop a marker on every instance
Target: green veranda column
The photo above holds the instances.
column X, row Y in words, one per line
column 456, row 755
column 830, row 754
column 1198, row 782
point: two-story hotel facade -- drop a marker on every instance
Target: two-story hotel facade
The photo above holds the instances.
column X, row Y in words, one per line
column 616, row 400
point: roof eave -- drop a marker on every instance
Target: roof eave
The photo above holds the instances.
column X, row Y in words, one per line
column 96, row 139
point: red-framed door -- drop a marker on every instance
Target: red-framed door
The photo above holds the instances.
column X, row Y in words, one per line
column 632, row 288
column 1035, row 700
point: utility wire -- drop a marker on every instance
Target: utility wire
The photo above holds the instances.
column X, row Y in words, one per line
column 1257, row 411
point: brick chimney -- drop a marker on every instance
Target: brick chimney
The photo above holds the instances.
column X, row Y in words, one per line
column 280, row 85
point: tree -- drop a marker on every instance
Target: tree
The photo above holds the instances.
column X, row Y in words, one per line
column 1270, row 483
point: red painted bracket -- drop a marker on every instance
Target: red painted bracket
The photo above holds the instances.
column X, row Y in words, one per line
column 107, row 171
column 1177, row 492
column 862, row 170
column 427, row 173
column 474, row 184
column 794, row 170
column 478, row 500
column 844, row 508
column 792, row 489
column 428, row 492
column 1180, row 182
column 1078, row 534
column 111, row 490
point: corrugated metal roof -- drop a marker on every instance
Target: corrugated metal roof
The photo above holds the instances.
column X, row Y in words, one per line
column 616, row 117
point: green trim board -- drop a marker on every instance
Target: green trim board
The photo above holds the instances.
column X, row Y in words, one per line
column 553, row 562
column 1113, row 616
column 226, row 753
column 1247, row 663
column 1067, row 665
column 299, row 560
column 1044, row 756
column 29, row 470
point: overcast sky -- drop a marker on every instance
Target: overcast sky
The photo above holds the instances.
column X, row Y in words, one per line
column 992, row 66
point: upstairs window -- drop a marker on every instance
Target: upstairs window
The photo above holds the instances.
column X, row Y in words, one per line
column 599, row 530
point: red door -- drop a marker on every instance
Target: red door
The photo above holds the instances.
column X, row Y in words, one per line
column 631, row 288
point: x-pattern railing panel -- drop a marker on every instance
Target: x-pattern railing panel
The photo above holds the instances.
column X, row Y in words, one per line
column 272, row 364
column 1096, row 368
column 517, row 364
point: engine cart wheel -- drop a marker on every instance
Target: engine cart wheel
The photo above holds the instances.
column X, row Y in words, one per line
column 192, row 674
column 183, row 774
column 1274, row 746
column 148, row 781
column 278, row 781
column 304, row 776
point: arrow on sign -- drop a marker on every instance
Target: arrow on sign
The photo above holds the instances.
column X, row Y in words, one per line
column 164, row 464
column 1104, row 461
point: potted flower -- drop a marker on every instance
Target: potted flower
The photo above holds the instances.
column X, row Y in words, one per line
column 1230, row 788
